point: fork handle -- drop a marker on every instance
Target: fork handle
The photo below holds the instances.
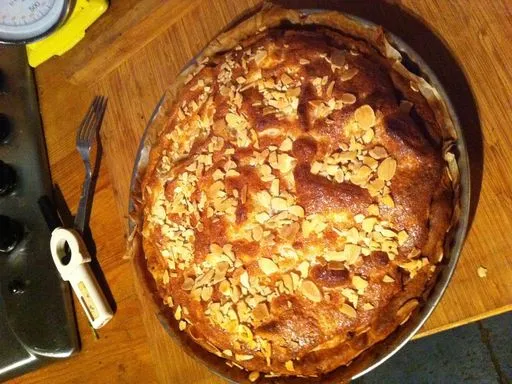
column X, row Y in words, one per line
column 81, row 213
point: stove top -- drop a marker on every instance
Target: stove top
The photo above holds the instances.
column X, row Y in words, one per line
column 37, row 323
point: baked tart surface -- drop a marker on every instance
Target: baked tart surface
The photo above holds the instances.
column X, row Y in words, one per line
column 296, row 203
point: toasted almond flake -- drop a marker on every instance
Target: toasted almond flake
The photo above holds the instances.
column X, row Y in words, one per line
column 316, row 167
column 259, row 57
column 286, row 79
column 360, row 284
column 232, row 173
column 165, row 277
column 348, row 310
column 286, row 145
column 278, row 204
column 227, row 352
column 206, row 293
column 257, row 233
column 368, row 136
column 296, row 210
column 288, row 283
column 253, row 376
column 303, row 61
column 402, row 237
column 388, row 200
column 378, row 152
column 388, row 279
column 387, row 169
column 303, row 268
column 260, row 312
column 352, row 252
column 262, row 217
column 368, row 307
column 482, row 272
column 348, row 74
column 388, row 233
column 188, row 283
column 274, row 187
column 359, row 218
column 311, row 291
column 407, row 308
column 182, row 325
column 267, row 266
column 289, row 366
column 241, row 357
column 244, row 280
column 373, row 210
column 177, row 313
column 348, row 98
column 365, row 116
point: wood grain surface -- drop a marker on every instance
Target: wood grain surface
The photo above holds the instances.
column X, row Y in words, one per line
column 132, row 55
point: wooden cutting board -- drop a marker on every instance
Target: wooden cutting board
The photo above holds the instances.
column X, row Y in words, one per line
column 135, row 51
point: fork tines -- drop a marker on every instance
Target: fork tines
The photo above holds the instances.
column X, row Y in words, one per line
column 92, row 121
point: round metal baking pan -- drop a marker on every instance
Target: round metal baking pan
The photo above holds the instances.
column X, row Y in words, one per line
column 378, row 353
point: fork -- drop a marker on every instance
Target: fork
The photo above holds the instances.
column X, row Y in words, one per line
column 85, row 138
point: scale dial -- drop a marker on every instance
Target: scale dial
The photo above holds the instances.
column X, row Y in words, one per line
column 22, row 21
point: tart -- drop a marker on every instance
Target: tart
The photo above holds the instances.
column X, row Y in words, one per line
column 296, row 202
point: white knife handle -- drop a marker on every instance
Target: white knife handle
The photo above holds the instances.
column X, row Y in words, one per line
column 79, row 274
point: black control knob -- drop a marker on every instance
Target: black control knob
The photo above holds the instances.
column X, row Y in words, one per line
column 10, row 234
column 7, row 178
column 5, row 127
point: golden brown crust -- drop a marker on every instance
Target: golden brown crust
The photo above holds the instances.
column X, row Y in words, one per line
column 294, row 206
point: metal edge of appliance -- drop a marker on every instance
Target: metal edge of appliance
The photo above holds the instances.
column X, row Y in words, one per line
column 382, row 351
column 37, row 323
column 65, row 13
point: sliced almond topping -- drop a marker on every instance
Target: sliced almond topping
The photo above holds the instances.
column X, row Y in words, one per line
column 373, row 210
column 482, row 272
column 360, row 284
column 182, row 325
column 402, row 237
column 274, row 187
column 253, row 376
column 368, row 136
column 289, row 366
column 227, row 352
column 288, row 283
column 365, row 116
column 257, row 233
column 244, row 280
column 311, row 291
column 388, row 279
column 296, row 210
column 378, row 152
column 368, row 307
column 286, row 145
column 406, row 309
column 206, row 293
column 262, row 217
column 348, row 310
column 352, row 252
column 348, row 74
column 267, row 266
column 359, row 218
column 387, row 169
column 303, row 268
column 241, row 357
column 304, row 61
column 260, row 312
column 348, row 98
column 388, row 200
column 278, row 204
column 188, row 283
column 177, row 313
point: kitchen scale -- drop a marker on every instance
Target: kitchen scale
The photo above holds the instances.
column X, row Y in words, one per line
column 47, row 27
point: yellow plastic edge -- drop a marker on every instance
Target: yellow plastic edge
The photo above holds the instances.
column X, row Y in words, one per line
column 85, row 13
